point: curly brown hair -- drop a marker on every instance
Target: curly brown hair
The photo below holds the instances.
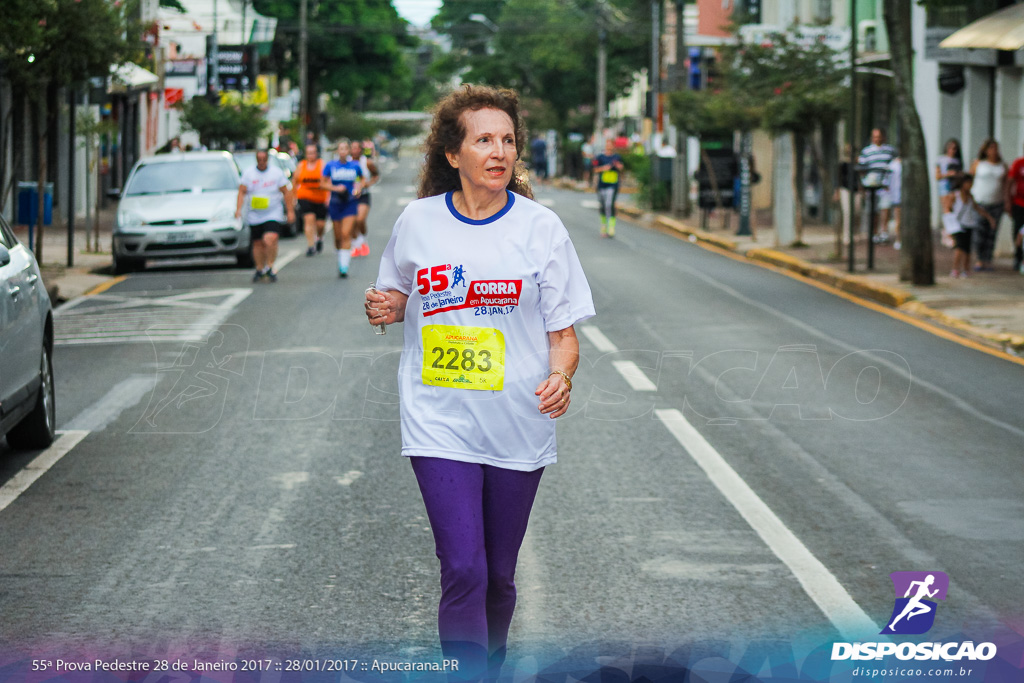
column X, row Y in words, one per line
column 447, row 133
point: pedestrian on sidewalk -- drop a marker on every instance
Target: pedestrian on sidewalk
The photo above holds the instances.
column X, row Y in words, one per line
column 608, row 167
column 487, row 279
column 891, row 198
column 1015, row 205
column 876, row 157
column 264, row 188
column 962, row 216
column 848, row 183
column 948, row 166
column 989, row 192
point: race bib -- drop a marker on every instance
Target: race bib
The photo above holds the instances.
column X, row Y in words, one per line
column 463, row 357
column 610, row 177
column 259, row 203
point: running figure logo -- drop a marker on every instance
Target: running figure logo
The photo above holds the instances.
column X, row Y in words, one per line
column 914, row 612
column 458, row 276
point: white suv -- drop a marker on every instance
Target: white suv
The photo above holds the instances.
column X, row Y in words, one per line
column 27, row 413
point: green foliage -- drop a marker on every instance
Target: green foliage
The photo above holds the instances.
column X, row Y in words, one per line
column 345, row 123
column 221, row 124
column 649, row 194
column 63, row 42
column 547, row 49
column 779, row 84
column 355, row 48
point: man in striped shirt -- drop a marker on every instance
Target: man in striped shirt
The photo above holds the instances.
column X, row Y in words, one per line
column 876, row 157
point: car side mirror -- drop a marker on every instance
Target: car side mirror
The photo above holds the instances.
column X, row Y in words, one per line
column 5, row 256
column 114, row 193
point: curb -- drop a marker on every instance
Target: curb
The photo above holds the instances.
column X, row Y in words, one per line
column 857, row 286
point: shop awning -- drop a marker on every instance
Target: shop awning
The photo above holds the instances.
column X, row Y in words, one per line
column 131, row 76
column 1001, row 30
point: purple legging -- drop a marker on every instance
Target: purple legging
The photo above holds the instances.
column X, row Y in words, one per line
column 478, row 514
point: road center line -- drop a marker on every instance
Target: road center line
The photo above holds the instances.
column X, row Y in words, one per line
column 597, row 338
column 632, row 373
column 817, row 581
column 17, row 484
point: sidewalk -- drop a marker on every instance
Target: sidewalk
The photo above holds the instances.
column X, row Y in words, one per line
column 984, row 307
column 89, row 270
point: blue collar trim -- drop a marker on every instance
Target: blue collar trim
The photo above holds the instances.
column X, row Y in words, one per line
column 483, row 221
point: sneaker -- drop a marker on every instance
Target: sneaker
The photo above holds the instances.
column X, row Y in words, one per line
column 365, row 249
column 311, row 251
column 954, row 273
column 319, row 246
column 257, row 276
column 271, row 275
column 342, row 272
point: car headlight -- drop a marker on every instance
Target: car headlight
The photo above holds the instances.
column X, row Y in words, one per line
column 225, row 214
column 128, row 219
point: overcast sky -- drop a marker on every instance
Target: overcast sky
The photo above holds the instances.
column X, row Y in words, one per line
column 418, row 12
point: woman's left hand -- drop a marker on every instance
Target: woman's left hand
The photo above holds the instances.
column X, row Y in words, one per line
column 554, row 396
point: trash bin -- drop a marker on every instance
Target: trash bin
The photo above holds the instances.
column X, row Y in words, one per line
column 28, row 203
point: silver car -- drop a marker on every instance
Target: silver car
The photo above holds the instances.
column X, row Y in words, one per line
column 27, row 414
column 179, row 205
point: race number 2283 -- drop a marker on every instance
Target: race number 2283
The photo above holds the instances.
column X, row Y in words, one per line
column 463, row 357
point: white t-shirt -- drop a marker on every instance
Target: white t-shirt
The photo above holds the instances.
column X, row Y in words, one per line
column 263, row 198
column 895, row 188
column 988, row 182
column 477, row 289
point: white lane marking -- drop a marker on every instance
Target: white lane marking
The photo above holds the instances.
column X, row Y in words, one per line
column 17, row 484
column 632, row 373
column 405, row 201
column 597, row 338
column 348, row 478
column 290, row 480
column 144, row 317
column 590, row 204
column 124, row 395
column 285, row 259
column 546, row 201
column 817, row 581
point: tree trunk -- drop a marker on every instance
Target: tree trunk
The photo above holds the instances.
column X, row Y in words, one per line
column 917, row 262
column 799, row 147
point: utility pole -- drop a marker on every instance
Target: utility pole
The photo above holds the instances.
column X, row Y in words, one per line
column 303, row 72
column 681, row 166
column 851, row 137
column 602, row 81
column 214, row 85
column 655, row 92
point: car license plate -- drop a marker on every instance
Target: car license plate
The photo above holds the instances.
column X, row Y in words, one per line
column 180, row 237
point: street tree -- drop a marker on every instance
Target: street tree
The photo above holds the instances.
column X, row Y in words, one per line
column 787, row 84
column 355, row 50
column 917, row 263
column 47, row 45
column 547, row 49
column 221, row 123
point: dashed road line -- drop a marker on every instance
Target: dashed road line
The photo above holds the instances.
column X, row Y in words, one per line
column 122, row 396
column 634, row 376
column 20, row 482
column 597, row 338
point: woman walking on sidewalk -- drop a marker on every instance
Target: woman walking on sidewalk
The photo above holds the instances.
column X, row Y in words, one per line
column 489, row 287
column 964, row 217
column 989, row 174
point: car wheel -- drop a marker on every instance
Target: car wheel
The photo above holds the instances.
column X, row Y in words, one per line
column 38, row 428
column 123, row 264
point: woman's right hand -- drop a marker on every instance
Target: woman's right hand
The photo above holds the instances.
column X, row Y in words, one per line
column 387, row 307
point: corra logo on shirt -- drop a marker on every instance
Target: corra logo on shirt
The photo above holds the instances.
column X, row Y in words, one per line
column 444, row 288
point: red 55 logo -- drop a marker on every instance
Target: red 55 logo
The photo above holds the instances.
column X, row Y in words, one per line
column 432, row 279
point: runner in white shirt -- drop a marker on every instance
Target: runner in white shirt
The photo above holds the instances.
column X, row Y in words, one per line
column 264, row 192
column 489, row 287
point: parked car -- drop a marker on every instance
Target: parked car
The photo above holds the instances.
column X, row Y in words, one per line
column 27, row 408
column 180, row 205
column 246, row 158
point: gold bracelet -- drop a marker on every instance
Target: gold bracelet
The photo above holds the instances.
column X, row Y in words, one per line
column 568, row 382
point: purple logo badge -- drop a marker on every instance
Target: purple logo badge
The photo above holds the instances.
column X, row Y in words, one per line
column 916, row 593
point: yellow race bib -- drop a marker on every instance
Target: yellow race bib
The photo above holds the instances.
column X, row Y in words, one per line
column 609, row 177
column 259, row 203
column 463, row 357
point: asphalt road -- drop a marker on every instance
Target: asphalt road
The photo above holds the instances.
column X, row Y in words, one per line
column 747, row 459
